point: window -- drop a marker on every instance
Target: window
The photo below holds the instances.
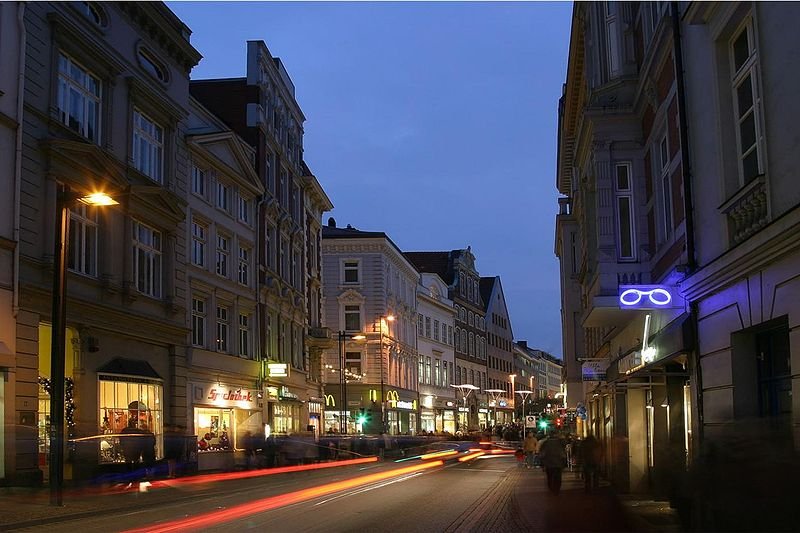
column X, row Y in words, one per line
column 244, row 210
column 450, row 335
column 352, row 365
column 244, row 335
column 747, row 102
column 148, row 147
column 93, row 13
column 125, row 401
column 625, row 244
column 222, row 328
column 436, row 330
column 428, row 369
column 272, row 244
column 666, row 188
column 444, row 333
column 198, row 322
column 612, row 48
column 223, row 196
column 471, row 320
column 198, row 181
column 199, row 233
column 464, row 341
column 83, row 240
column 428, row 327
column 269, row 172
column 244, row 265
column 78, row 98
column 147, row 259
column 152, row 65
column 420, row 325
column 437, row 376
column 471, row 343
column 445, row 375
column 223, row 252
column 352, row 318
column 351, row 271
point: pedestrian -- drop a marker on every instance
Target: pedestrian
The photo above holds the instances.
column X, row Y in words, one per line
column 553, row 457
column 591, row 455
column 131, row 444
column 148, row 447
column 173, row 449
column 529, row 446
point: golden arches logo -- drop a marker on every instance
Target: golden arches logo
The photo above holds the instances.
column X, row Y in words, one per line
column 329, row 401
column 373, row 395
column 392, row 398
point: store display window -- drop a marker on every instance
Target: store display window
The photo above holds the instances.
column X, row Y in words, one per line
column 214, row 429
column 129, row 402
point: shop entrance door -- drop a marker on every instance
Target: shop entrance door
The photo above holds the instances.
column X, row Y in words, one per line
column 774, row 379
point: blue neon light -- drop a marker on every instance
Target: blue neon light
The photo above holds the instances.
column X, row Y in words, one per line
column 657, row 296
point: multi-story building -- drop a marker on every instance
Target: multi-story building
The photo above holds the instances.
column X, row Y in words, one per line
column 106, row 100
column 369, row 294
column 262, row 108
column 12, row 51
column 499, row 351
column 223, row 363
column 457, row 269
column 436, row 361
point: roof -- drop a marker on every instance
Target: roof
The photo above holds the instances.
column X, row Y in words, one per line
column 486, row 287
column 119, row 366
column 432, row 262
column 332, row 232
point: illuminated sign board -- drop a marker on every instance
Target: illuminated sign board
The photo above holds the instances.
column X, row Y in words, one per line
column 225, row 396
column 645, row 297
column 404, row 405
column 594, row 369
column 277, row 370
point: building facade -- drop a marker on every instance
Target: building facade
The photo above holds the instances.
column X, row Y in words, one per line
column 436, row 359
column 106, row 93
column 457, row 269
column 369, row 298
column 499, row 351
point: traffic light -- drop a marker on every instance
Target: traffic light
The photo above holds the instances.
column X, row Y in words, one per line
column 362, row 417
column 558, row 422
column 543, row 423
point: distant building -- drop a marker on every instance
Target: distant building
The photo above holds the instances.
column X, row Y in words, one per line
column 499, row 356
column 370, row 291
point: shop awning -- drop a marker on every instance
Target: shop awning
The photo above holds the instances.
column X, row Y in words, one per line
column 120, row 366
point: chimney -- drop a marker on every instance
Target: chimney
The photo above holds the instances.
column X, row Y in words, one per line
column 523, row 344
column 331, row 222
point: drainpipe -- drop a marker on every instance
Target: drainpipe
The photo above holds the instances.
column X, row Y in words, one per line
column 18, row 153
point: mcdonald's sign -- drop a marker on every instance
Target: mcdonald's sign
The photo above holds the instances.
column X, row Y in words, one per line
column 329, row 401
column 392, row 398
column 373, row 395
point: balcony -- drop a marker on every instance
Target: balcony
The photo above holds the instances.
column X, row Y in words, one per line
column 602, row 294
column 747, row 210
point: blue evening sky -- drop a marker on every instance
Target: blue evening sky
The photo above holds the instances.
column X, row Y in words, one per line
column 433, row 122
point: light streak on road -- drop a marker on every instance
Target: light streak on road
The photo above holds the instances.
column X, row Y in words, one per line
column 437, row 455
column 470, row 456
column 237, row 512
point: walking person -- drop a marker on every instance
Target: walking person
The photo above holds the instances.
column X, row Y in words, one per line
column 529, row 447
column 131, row 443
column 554, row 458
column 173, row 449
column 591, row 455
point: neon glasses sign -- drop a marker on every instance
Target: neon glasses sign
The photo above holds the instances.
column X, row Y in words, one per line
column 644, row 297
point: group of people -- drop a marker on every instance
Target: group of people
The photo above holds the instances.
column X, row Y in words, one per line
column 555, row 452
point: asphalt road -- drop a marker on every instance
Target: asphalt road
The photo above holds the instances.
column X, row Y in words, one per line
column 449, row 497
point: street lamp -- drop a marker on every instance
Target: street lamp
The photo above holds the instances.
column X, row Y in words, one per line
column 513, row 397
column 465, row 389
column 524, row 394
column 344, row 411
column 387, row 318
column 65, row 199
column 495, row 393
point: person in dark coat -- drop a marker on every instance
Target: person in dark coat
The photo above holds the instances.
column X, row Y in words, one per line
column 554, row 459
column 148, row 445
column 591, row 454
column 173, row 449
column 131, row 442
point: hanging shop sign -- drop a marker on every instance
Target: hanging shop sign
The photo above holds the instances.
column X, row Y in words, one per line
column 226, row 396
column 648, row 297
column 594, row 369
column 277, row 370
column 285, row 394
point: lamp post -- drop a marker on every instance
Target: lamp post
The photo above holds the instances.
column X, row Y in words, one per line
column 387, row 318
column 513, row 397
column 495, row 393
column 65, row 199
column 524, row 394
column 465, row 389
column 344, row 412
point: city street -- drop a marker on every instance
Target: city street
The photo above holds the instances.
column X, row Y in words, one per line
column 487, row 494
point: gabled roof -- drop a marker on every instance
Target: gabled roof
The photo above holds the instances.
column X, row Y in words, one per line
column 486, row 287
column 434, row 262
column 332, row 232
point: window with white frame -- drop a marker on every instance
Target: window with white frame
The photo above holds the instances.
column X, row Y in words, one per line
column 223, row 328
column 463, row 341
column 612, row 38
column 436, row 330
column 244, row 209
column 625, row 229
column 284, row 272
column 244, row 265
column 352, row 365
column 148, row 146
column 147, row 259
column 428, row 369
column 223, row 255
column 244, row 335
column 420, row 325
column 83, row 240
column 199, row 238
column 223, row 196
column 471, row 343
column 351, row 271
column 471, row 320
column 428, row 327
column 272, row 245
column 450, row 335
column 198, row 322
column 198, row 181
column 747, row 102
column 352, row 318
column 78, row 98
column 665, row 185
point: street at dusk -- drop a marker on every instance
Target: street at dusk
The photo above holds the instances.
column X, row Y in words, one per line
column 418, row 266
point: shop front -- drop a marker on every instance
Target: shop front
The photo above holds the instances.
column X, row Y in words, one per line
column 437, row 415
column 224, row 416
column 401, row 412
column 285, row 410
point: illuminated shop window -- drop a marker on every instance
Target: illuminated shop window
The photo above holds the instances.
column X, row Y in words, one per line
column 214, row 429
column 124, row 402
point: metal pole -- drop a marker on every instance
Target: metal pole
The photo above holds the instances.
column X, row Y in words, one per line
column 57, row 351
column 383, row 384
column 342, row 388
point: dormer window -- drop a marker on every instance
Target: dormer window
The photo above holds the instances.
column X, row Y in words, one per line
column 149, row 63
column 94, row 13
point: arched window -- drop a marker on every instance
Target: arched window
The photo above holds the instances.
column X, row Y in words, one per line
column 463, row 341
column 152, row 65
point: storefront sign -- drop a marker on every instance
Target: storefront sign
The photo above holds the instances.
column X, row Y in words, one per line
column 277, row 370
column 645, row 297
column 285, row 394
column 272, row 393
column 503, row 403
column 450, row 404
column 483, row 410
column 400, row 404
column 594, row 369
column 463, row 409
column 227, row 396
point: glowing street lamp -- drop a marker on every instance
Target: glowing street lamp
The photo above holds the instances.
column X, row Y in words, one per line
column 65, row 200
column 387, row 318
column 513, row 396
column 524, row 394
column 465, row 389
column 495, row 393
